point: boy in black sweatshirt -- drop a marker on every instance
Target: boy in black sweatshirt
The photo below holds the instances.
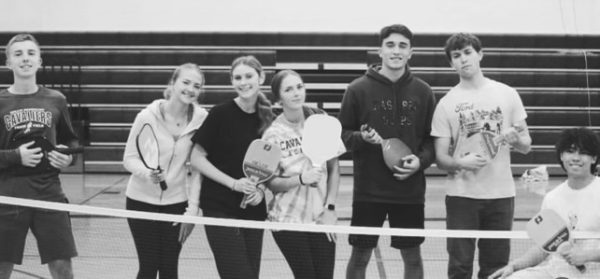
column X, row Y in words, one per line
column 388, row 102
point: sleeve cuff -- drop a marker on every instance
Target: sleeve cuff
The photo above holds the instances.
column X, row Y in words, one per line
column 10, row 157
column 192, row 210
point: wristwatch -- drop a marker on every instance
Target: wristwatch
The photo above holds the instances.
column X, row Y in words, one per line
column 330, row 206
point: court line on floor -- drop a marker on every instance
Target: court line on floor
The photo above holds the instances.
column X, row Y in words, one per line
column 29, row 274
column 103, row 190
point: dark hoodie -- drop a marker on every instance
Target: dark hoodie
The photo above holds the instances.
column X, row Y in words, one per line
column 401, row 109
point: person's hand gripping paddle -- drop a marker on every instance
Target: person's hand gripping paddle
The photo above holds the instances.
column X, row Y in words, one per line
column 484, row 143
column 549, row 231
column 147, row 147
column 393, row 150
column 47, row 146
column 260, row 163
column 321, row 138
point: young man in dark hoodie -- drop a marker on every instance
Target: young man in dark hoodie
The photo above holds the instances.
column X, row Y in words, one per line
column 388, row 102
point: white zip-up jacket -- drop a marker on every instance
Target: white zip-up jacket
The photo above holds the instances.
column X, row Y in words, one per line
column 182, row 181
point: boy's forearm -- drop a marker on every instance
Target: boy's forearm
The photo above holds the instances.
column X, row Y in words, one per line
column 447, row 163
column 9, row 157
column 426, row 153
column 532, row 257
column 352, row 139
column 523, row 145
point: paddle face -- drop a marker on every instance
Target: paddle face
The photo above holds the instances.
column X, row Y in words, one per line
column 485, row 143
column 393, row 151
column 320, row 138
column 261, row 160
column 148, row 150
column 147, row 147
column 47, row 146
column 260, row 163
column 549, row 231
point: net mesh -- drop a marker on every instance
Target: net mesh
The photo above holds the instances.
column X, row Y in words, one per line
column 106, row 248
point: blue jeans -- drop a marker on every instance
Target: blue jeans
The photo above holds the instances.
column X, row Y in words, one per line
column 478, row 214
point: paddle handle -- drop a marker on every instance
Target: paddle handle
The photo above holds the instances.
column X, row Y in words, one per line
column 70, row 150
column 163, row 184
column 501, row 138
column 244, row 202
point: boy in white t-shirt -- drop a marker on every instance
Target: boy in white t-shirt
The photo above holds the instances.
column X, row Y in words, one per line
column 577, row 201
column 474, row 126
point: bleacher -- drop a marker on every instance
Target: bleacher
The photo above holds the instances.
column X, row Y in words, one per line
column 109, row 77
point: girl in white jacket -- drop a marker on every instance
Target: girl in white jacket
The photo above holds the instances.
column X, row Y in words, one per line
column 174, row 120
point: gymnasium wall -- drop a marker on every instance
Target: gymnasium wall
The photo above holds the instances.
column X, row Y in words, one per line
column 423, row 16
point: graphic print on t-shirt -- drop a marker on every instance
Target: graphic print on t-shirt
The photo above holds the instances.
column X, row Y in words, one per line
column 25, row 119
column 478, row 131
column 290, row 146
column 573, row 220
column 26, row 123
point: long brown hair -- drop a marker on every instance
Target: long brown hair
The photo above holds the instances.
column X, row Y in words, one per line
column 263, row 105
column 278, row 79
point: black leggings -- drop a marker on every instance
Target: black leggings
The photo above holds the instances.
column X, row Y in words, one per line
column 237, row 251
column 156, row 242
column 310, row 255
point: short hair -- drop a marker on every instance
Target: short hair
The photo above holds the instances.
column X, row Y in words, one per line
column 459, row 41
column 278, row 79
column 395, row 28
column 583, row 139
column 20, row 38
column 187, row 66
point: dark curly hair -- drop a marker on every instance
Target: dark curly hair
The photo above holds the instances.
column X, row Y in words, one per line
column 582, row 139
column 459, row 41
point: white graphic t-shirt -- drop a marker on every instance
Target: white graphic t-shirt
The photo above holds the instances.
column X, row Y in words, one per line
column 581, row 211
column 302, row 204
column 474, row 120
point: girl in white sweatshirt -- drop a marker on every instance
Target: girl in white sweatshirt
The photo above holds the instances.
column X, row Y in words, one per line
column 174, row 120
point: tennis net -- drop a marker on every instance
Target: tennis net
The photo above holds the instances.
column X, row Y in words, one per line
column 106, row 248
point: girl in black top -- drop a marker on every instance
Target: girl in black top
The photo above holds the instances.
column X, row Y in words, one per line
column 221, row 144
